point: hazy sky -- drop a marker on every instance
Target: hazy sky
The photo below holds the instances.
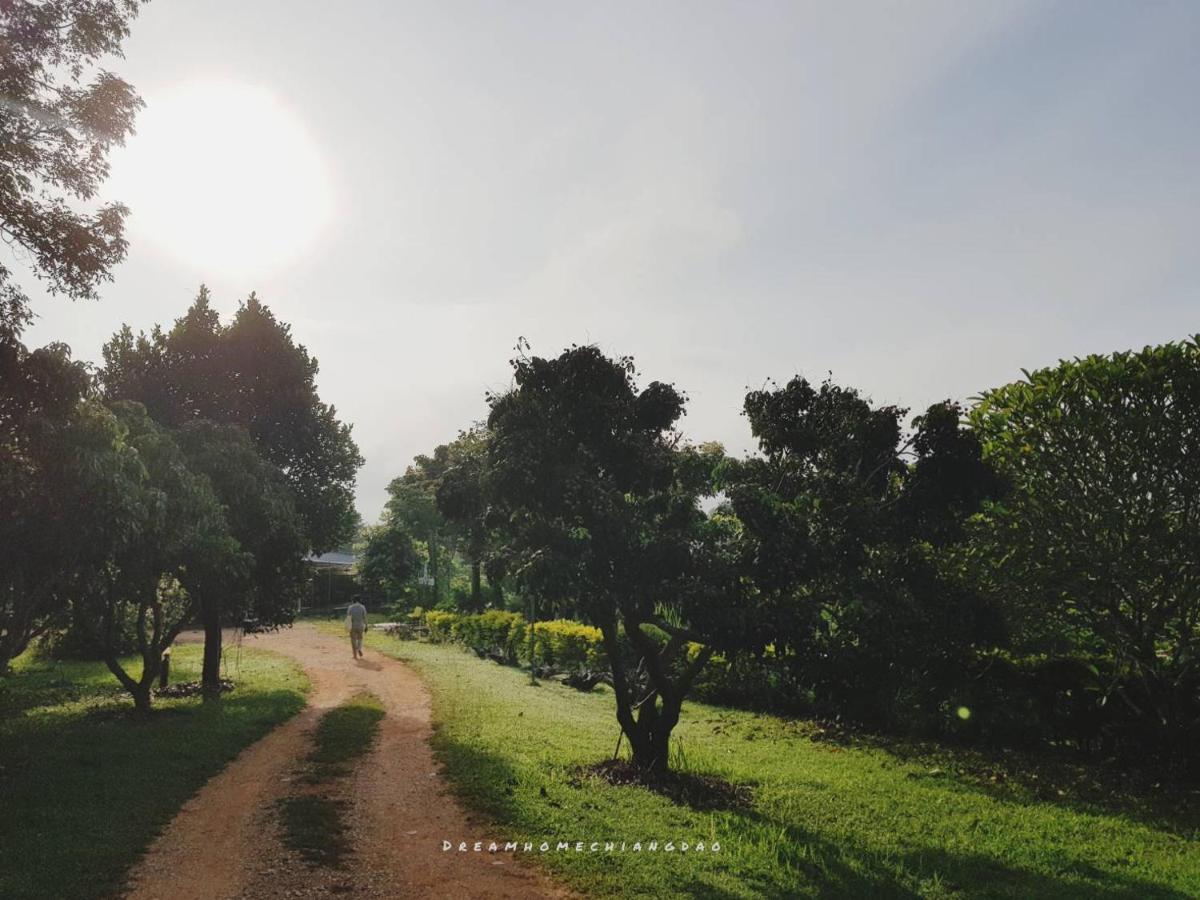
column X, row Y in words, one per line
column 923, row 198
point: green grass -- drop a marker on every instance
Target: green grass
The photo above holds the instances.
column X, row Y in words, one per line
column 344, row 734
column 86, row 784
column 313, row 823
column 825, row 819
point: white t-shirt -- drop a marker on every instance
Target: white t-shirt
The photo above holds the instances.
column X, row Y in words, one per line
column 356, row 617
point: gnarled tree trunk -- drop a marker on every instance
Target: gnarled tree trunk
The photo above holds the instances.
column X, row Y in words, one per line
column 648, row 720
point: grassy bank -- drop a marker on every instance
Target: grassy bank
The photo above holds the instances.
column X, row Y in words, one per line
column 86, row 784
column 825, row 819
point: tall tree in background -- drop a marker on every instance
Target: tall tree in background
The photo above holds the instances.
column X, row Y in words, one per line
column 387, row 560
column 59, row 118
column 460, row 499
column 412, row 507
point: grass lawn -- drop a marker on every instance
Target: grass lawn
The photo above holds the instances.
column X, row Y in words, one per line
column 87, row 784
column 825, row 819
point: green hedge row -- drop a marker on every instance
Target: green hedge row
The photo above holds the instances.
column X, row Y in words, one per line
column 561, row 644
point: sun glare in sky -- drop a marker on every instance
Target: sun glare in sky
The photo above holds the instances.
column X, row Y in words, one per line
column 222, row 176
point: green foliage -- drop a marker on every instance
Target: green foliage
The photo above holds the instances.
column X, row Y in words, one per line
column 1097, row 549
column 387, row 561
column 561, row 644
column 60, row 117
column 593, row 500
column 494, row 632
column 462, row 503
column 78, row 639
column 70, row 482
column 178, row 549
column 261, row 513
column 250, row 373
column 443, row 626
column 568, row 646
column 843, row 525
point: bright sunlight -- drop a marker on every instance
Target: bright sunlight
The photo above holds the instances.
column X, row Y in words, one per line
column 223, row 176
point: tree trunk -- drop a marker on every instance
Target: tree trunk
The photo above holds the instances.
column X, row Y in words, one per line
column 532, row 642
column 433, row 568
column 476, row 586
column 650, row 753
column 650, row 733
column 138, row 690
column 210, row 678
column 141, row 697
column 652, row 750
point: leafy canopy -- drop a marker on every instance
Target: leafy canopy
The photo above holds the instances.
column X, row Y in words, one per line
column 60, row 116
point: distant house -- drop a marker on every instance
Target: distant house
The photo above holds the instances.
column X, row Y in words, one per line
column 332, row 579
column 334, row 560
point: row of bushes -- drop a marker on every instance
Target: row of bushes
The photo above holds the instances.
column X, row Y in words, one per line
column 997, row 699
column 561, row 644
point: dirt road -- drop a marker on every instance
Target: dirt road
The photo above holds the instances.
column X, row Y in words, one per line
column 223, row 843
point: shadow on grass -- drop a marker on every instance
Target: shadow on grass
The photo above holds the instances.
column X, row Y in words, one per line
column 691, row 789
column 85, row 791
column 786, row 860
column 1080, row 785
column 841, row 870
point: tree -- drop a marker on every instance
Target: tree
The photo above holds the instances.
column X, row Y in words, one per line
column 65, row 489
column 388, row 560
column 413, row 509
column 844, row 519
column 261, row 515
column 1098, row 547
column 181, row 552
column 461, row 501
column 250, row 373
column 59, row 119
column 595, row 501
column 252, row 376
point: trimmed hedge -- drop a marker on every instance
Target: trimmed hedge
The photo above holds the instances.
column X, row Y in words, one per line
column 561, row 644
column 494, row 633
column 1004, row 700
column 443, row 626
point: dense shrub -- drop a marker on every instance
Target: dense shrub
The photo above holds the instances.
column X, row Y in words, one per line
column 494, row 633
column 443, row 626
column 562, row 644
column 568, row 646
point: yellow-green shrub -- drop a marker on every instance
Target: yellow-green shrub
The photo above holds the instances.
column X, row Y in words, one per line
column 443, row 626
column 494, row 632
column 567, row 645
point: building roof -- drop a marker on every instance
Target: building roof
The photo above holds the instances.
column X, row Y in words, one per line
column 334, row 559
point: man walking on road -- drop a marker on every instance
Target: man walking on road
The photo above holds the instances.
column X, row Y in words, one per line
column 356, row 619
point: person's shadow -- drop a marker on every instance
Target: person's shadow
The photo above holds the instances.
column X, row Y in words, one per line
column 373, row 666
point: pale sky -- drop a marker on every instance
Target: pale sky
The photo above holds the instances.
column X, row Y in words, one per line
column 923, row 198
